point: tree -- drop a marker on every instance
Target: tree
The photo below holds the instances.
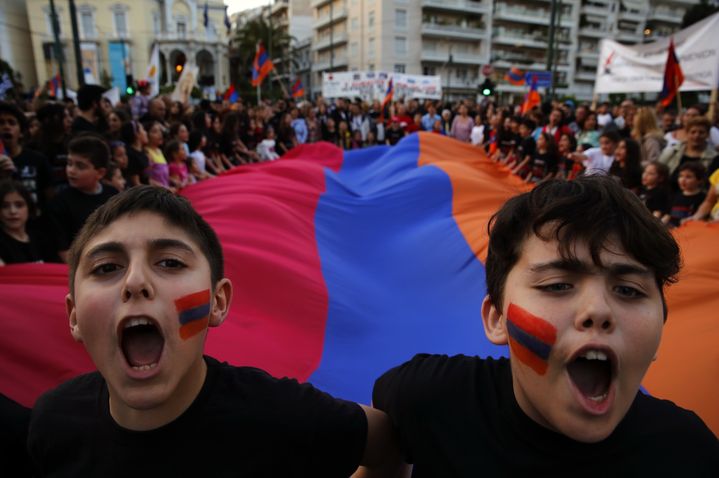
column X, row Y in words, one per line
column 277, row 42
column 698, row 13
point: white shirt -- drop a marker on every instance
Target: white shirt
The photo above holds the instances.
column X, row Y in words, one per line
column 477, row 135
column 597, row 161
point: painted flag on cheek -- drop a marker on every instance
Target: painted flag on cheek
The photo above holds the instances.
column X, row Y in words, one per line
column 530, row 337
column 193, row 313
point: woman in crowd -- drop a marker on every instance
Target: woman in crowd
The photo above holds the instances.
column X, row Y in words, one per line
column 680, row 134
column 158, row 171
column 646, row 131
column 462, row 125
column 588, row 136
column 696, row 148
column 627, row 164
column 135, row 138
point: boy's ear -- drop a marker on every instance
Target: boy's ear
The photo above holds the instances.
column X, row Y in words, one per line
column 222, row 299
column 72, row 318
column 494, row 327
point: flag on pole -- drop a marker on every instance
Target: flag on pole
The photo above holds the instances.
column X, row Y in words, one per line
column 206, row 16
column 5, row 84
column 673, row 77
column 228, row 25
column 262, row 66
column 54, row 86
column 532, row 98
column 515, row 76
column 298, row 89
column 387, row 97
column 153, row 71
column 231, row 94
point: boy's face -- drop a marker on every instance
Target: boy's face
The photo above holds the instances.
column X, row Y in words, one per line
column 581, row 337
column 607, row 146
column 125, row 309
column 82, row 174
column 10, row 130
column 688, row 181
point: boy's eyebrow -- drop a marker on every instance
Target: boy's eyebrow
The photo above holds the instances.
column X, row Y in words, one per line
column 115, row 247
column 170, row 244
column 105, row 247
column 579, row 267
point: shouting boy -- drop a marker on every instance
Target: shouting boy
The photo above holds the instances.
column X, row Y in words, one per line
column 146, row 282
column 575, row 277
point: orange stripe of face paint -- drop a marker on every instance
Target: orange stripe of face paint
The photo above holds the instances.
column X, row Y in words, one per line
column 527, row 357
column 532, row 324
column 193, row 328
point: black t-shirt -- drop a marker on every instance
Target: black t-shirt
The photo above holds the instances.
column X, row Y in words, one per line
column 33, row 170
column 394, row 135
column 684, row 206
column 13, row 251
column 656, row 199
column 243, row 423
column 14, row 420
column 81, row 125
column 137, row 163
column 527, row 146
column 542, row 164
column 69, row 210
column 458, row 417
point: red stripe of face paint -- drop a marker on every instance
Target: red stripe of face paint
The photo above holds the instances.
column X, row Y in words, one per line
column 191, row 301
column 524, row 355
column 533, row 325
column 193, row 328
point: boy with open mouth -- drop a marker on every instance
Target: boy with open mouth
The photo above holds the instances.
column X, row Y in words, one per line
column 146, row 282
column 575, row 277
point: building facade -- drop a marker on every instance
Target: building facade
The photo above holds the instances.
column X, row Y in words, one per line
column 455, row 38
column 16, row 41
column 117, row 37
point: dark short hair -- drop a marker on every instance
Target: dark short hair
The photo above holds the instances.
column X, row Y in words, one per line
column 175, row 209
column 12, row 109
column 171, row 148
column 612, row 135
column 695, row 167
column 91, row 147
column 590, row 208
column 8, row 186
column 529, row 124
column 699, row 121
column 87, row 95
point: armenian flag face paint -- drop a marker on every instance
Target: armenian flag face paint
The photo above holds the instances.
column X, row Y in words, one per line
column 193, row 313
column 530, row 337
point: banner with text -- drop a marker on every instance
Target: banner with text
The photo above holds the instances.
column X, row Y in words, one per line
column 640, row 68
column 372, row 85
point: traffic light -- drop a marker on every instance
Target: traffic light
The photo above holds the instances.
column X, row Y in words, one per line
column 487, row 87
column 130, row 85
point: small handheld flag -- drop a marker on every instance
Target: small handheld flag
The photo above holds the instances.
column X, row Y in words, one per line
column 262, row 66
column 515, row 77
column 298, row 89
column 673, row 77
column 231, row 94
column 387, row 97
column 532, row 99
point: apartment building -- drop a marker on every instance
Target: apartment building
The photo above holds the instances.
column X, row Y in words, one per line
column 454, row 38
column 117, row 36
column 16, row 41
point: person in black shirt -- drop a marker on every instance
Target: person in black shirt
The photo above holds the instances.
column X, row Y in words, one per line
column 146, row 283
column 690, row 196
column 135, row 138
column 90, row 118
column 575, row 276
column 19, row 240
column 655, row 188
column 394, row 133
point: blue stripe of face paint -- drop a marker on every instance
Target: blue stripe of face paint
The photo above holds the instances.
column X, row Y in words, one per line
column 531, row 343
column 199, row 312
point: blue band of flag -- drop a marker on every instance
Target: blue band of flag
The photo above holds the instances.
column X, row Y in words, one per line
column 199, row 312
column 531, row 343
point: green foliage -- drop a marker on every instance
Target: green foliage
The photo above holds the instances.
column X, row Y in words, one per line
column 698, row 13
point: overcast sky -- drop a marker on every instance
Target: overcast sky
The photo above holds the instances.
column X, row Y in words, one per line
column 237, row 5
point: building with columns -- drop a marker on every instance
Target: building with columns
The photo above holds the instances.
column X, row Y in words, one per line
column 117, row 37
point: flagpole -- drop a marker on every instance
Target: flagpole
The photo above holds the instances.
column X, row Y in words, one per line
column 712, row 105
column 679, row 96
column 259, row 95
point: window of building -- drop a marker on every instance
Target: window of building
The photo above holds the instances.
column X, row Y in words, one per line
column 354, row 24
column 88, row 24
column 120, row 18
column 156, row 23
column 429, row 70
column 48, row 21
column 370, row 47
column 370, row 19
column 354, row 47
column 181, row 29
column 400, row 19
column 370, row 67
column 400, row 46
column 399, row 68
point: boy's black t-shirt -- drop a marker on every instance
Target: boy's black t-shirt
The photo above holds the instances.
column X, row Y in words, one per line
column 656, row 199
column 69, row 210
column 394, row 135
column 458, row 417
column 33, row 170
column 243, row 423
column 684, row 206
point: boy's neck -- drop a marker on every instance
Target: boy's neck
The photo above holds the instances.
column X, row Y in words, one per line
column 691, row 192
column 97, row 189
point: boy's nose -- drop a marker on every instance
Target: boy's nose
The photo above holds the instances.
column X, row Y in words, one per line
column 137, row 285
column 595, row 311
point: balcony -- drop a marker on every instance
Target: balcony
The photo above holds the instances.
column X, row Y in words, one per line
column 595, row 10
column 457, row 58
column 536, row 39
column 666, row 15
column 585, row 76
column 522, row 14
column 527, row 64
column 319, row 3
column 453, row 31
column 340, row 61
column 338, row 14
column 628, row 37
column 460, row 6
column 633, row 15
column 595, row 31
column 338, row 38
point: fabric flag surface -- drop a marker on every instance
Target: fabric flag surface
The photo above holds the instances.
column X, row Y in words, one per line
column 345, row 264
column 515, row 76
column 231, row 94
column 261, row 66
column 153, row 70
column 673, row 77
column 298, row 89
column 532, row 98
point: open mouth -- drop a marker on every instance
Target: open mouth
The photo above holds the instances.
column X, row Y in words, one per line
column 141, row 342
column 591, row 371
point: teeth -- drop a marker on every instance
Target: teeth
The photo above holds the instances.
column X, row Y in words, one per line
column 144, row 367
column 594, row 355
column 598, row 398
column 136, row 322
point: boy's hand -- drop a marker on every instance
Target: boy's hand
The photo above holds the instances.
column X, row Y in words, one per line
column 7, row 167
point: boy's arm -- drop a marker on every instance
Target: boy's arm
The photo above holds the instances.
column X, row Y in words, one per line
column 381, row 457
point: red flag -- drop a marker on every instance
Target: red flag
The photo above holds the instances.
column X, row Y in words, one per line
column 298, row 89
column 532, row 99
column 673, row 77
column 262, row 66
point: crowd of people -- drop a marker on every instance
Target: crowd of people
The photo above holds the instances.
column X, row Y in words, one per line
column 60, row 160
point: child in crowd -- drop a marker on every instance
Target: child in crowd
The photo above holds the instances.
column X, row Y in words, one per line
column 158, row 171
column 568, row 169
column 357, row 142
column 545, row 162
column 627, row 164
column 575, row 278
column 118, row 154
column 654, row 192
column 344, row 136
column 88, row 157
column 177, row 166
column 113, row 177
column 599, row 159
column 19, row 242
column 526, row 147
column 394, row 132
column 135, row 138
column 690, row 196
column 266, row 148
column 146, row 283
column 199, row 166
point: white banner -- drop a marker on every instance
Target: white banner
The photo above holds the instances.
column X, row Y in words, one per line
column 372, row 85
column 638, row 68
column 153, row 71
